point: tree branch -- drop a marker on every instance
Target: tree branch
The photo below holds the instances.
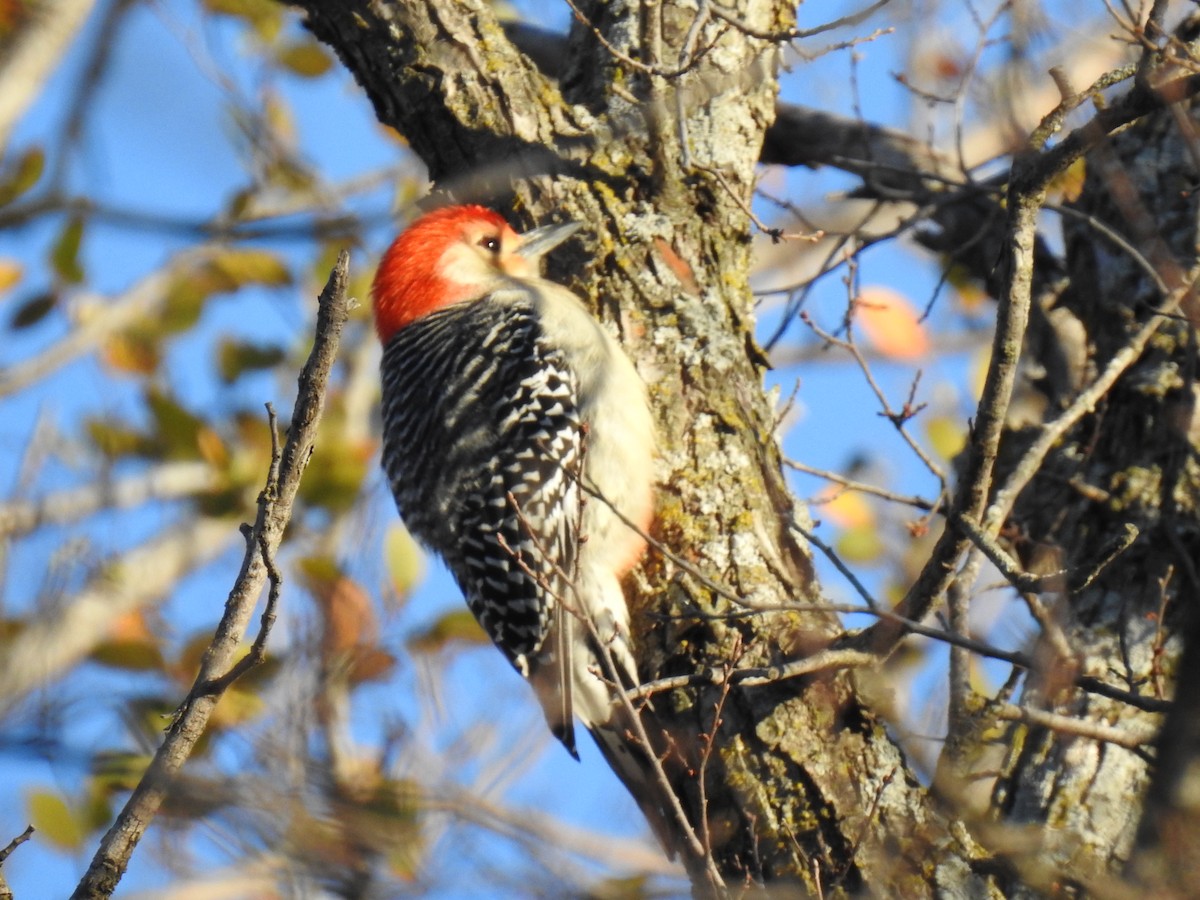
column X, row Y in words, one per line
column 31, row 55
column 56, row 641
column 169, row 481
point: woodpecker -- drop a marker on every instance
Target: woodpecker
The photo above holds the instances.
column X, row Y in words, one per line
column 516, row 439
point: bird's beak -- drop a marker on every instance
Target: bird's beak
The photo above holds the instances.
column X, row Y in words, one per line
column 536, row 243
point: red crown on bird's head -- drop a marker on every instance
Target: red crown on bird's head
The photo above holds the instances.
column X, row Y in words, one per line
column 411, row 280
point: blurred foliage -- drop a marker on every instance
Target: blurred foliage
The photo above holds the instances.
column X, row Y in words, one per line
column 18, row 174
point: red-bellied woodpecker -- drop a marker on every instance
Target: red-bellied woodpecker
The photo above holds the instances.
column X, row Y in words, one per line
column 513, row 426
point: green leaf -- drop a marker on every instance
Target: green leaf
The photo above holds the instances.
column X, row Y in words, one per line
column 132, row 655
column 235, row 358
column 334, row 476
column 242, row 267
column 54, row 820
column 64, row 256
column 223, row 273
column 305, row 58
column 119, row 771
column 177, row 431
column 33, row 309
column 21, row 174
column 183, row 303
column 115, row 439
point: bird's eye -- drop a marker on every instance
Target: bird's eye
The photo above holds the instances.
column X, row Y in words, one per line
column 491, row 244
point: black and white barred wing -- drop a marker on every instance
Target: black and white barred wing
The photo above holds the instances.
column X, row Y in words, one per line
column 494, row 487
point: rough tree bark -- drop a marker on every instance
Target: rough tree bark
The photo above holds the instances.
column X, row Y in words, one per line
column 651, row 135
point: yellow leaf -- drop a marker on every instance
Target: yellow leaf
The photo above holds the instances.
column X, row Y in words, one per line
column 860, row 544
column 304, row 58
column 212, row 449
column 131, row 352
column 54, row 820
column 967, row 288
column 405, row 562
column 845, row 508
column 243, row 267
column 264, row 16
column 279, row 119
column 948, row 436
column 458, row 626
column 10, row 274
column 1067, row 187
column 235, row 707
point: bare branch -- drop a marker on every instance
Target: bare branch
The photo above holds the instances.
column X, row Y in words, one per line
column 5, row 891
column 31, row 55
column 1130, row 738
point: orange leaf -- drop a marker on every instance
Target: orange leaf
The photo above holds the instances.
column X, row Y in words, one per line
column 130, row 626
column 10, row 273
column 370, row 664
column 890, row 323
column 345, row 607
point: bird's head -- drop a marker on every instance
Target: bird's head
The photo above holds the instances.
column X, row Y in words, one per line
column 452, row 255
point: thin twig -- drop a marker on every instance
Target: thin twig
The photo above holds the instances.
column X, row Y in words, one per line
column 833, row 557
column 169, row 481
column 5, row 891
column 863, row 487
column 760, row 676
column 898, row 418
column 15, row 843
column 1130, row 738
column 1083, row 404
column 710, row 741
column 258, row 650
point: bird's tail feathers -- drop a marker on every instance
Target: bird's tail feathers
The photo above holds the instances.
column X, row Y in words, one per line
column 582, row 670
column 627, row 754
column 620, row 725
